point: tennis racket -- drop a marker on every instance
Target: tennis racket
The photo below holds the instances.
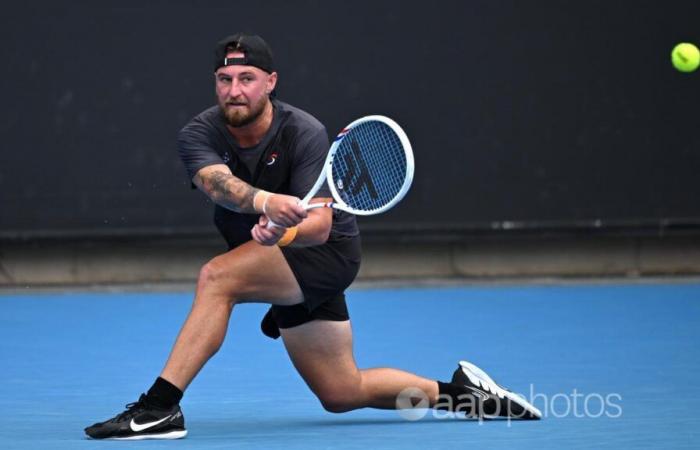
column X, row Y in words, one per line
column 369, row 168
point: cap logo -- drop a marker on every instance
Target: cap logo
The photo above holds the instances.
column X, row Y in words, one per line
column 235, row 61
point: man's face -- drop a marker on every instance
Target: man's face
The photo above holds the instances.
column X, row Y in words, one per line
column 242, row 91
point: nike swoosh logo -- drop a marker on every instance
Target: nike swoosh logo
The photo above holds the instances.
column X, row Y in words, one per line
column 480, row 394
column 144, row 426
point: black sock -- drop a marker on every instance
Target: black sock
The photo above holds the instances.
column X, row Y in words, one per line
column 449, row 396
column 164, row 394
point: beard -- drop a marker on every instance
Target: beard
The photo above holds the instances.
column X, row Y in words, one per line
column 238, row 117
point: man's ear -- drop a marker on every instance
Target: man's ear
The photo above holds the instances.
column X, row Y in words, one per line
column 271, row 83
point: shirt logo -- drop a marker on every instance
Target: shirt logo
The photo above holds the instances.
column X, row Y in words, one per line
column 227, row 158
column 271, row 160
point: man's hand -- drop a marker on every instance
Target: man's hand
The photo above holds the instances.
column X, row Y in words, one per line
column 314, row 230
column 266, row 236
column 283, row 210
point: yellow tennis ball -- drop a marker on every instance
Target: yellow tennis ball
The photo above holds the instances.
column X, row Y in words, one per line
column 685, row 57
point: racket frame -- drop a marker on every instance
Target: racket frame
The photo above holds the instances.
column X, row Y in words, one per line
column 327, row 172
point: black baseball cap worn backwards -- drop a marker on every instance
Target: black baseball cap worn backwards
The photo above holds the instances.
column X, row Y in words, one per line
column 255, row 50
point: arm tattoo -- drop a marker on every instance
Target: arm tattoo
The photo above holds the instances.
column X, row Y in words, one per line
column 231, row 192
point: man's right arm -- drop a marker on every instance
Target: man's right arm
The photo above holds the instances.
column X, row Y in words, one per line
column 226, row 190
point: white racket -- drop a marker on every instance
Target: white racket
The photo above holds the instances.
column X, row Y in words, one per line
column 369, row 168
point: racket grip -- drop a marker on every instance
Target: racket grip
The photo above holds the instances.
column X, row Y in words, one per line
column 319, row 205
column 271, row 224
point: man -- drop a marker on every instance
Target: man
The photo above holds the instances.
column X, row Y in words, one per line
column 255, row 156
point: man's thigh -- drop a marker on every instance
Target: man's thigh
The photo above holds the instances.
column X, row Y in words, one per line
column 253, row 273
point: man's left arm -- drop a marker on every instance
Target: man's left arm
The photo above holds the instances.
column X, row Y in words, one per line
column 314, row 230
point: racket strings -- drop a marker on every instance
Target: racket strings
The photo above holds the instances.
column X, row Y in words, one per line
column 370, row 166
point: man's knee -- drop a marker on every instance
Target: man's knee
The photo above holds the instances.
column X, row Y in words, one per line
column 341, row 399
column 338, row 404
column 216, row 278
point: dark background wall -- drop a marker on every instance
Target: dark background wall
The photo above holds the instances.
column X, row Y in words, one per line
column 539, row 114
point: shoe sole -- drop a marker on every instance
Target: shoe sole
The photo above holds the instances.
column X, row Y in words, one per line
column 483, row 376
column 166, row 436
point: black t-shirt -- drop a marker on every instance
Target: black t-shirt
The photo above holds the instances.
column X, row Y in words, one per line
column 288, row 160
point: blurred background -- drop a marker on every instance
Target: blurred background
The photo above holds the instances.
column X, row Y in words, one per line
column 552, row 138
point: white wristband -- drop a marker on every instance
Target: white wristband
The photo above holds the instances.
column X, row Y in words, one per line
column 255, row 200
column 264, row 208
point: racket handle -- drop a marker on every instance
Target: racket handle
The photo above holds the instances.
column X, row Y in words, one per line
column 271, row 224
column 319, row 205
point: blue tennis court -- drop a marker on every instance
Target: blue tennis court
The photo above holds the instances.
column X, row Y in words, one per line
column 609, row 365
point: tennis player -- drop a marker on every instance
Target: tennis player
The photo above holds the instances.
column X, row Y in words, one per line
column 255, row 156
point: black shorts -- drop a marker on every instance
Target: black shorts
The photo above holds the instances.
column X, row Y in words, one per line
column 323, row 273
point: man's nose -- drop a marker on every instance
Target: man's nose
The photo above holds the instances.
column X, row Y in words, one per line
column 234, row 89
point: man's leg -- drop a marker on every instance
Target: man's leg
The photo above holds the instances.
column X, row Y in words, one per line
column 322, row 353
column 251, row 272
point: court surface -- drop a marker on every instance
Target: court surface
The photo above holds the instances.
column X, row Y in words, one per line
column 610, row 365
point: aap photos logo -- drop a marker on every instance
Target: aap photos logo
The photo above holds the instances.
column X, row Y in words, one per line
column 412, row 404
